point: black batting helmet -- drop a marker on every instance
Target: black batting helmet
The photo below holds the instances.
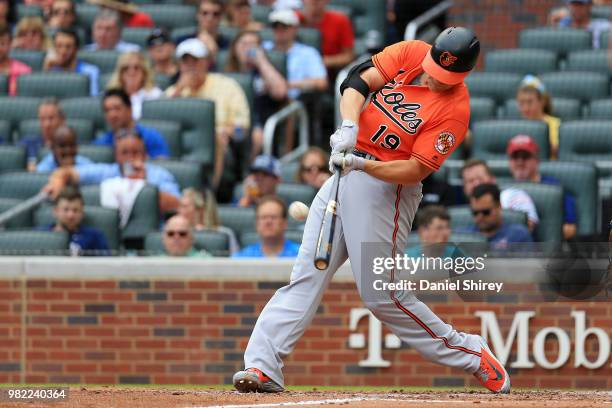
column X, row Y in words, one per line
column 453, row 55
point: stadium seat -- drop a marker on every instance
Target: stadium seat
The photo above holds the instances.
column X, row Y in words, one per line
column 604, row 41
column 83, row 128
column 171, row 16
column 162, row 81
column 21, row 185
column 589, row 61
column 31, row 10
column 308, row 36
column 602, row 11
column 246, row 83
column 237, row 218
column 86, row 13
column 559, row 40
column 279, row 60
column 85, row 108
column 197, row 119
column 365, row 15
column 105, row 60
column 91, row 195
column 6, row 135
column 521, row 61
column 481, row 108
column 291, row 192
column 12, row 158
column 103, row 80
column 14, row 109
column 579, row 85
column 187, row 174
column 601, row 109
column 136, row 35
column 216, row 243
column 33, row 243
column 586, row 140
column 490, row 137
column 461, row 216
column 289, row 171
column 145, row 215
column 171, row 131
column 184, row 31
column 33, row 59
column 58, row 84
column 498, row 86
column 21, row 221
column 579, row 179
column 97, row 153
column 251, row 237
column 104, row 219
column 260, row 13
column 564, row 108
column 3, row 85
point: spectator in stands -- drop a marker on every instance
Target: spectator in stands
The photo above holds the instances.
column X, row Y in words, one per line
column 130, row 16
column 525, row 166
column 434, row 232
column 239, row 16
column 270, row 87
column 271, row 225
column 209, row 16
column 337, row 38
column 134, row 75
column 232, row 115
column 436, row 192
column 50, row 118
column 30, row 34
column 9, row 66
column 314, row 168
column 534, row 103
column 62, row 15
column 68, row 213
column 130, row 156
column 64, row 151
column 63, row 58
column 580, row 17
column 106, row 32
column 262, row 181
column 487, row 211
column 8, row 14
column 178, row 239
column 476, row 172
column 305, row 68
column 280, row 4
column 161, row 51
column 203, row 215
column 117, row 108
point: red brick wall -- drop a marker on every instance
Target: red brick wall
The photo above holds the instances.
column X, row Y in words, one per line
column 178, row 332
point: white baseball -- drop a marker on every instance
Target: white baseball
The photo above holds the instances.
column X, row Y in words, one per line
column 298, row 210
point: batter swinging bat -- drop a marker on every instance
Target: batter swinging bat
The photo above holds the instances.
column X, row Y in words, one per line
column 326, row 234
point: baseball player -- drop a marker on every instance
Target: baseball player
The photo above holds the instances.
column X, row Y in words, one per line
column 417, row 116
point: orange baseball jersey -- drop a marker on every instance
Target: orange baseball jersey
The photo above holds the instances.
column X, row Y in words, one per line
column 402, row 120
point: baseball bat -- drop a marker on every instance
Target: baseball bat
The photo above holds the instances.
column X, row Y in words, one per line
column 328, row 223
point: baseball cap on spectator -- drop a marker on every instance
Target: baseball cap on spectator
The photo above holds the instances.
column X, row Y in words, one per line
column 285, row 17
column 266, row 164
column 522, row 143
column 193, row 47
column 157, row 37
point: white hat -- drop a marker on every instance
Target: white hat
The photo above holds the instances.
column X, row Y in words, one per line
column 286, row 17
column 193, row 47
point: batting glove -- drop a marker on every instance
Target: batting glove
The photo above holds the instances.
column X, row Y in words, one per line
column 344, row 139
column 346, row 162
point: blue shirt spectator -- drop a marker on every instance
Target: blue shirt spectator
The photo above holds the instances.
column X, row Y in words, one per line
column 506, row 234
column 154, row 142
column 580, row 17
column 86, row 239
column 290, row 250
column 569, row 201
column 48, row 163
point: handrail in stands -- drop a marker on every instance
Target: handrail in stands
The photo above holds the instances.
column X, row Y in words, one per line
column 295, row 107
column 413, row 26
column 22, row 207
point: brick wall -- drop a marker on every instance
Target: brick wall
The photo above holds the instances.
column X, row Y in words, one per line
column 194, row 331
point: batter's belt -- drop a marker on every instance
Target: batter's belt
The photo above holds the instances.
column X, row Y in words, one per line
column 365, row 155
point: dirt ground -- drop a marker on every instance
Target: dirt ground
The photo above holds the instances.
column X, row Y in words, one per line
column 119, row 397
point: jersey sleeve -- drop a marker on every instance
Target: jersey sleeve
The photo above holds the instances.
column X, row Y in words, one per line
column 404, row 54
column 434, row 145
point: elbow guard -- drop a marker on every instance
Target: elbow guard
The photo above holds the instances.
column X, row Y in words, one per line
column 354, row 80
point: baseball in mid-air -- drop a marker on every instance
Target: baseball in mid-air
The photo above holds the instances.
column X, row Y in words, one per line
column 298, row 210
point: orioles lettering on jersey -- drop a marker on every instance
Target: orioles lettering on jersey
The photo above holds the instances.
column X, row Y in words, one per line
column 391, row 102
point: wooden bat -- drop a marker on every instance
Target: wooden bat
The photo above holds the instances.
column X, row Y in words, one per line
column 328, row 223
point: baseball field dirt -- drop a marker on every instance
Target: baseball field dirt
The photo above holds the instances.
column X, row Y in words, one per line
column 175, row 397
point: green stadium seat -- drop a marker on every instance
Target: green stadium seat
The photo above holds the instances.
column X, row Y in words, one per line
column 461, row 216
column 33, row 59
column 21, row 185
column 17, row 108
column 602, row 11
column 490, row 138
column 181, row 32
column 482, row 108
column 462, row 237
column 580, row 180
column 58, row 84
column 171, row 131
column 85, row 108
column 228, row 32
column 564, row 108
column 289, row 171
column 91, row 195
column 216, row 243
column 24, row 10
column 559, row 40
column 136, row 35
column 291, row 192
column 187, row 174
column 365, row 15
column 589, row 61
column 145, row 215
column 106, row 60
column 33, row 243
column 197, row 119
column 104, row 219
column 308, row 36
column 260, row 13
column 86, row 13
column 5, row 131
column 250, row 237
column 586, row 140
column 12, row 158
column 579, row 85
column 83, row 128
column 521, row 61
column 279, row 60
column 103, row 80
column 604, row 40
column 498, row 86
column 97, row 153
column 3, row 85
column 600, row 109
column 162, row 81
column 21, row 221
column 171, row 16
column 237, row 218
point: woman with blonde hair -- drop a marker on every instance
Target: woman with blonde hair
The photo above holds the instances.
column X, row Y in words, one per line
column 314, row 168
column 30, row 34
column 203, row 215
column 134, row 75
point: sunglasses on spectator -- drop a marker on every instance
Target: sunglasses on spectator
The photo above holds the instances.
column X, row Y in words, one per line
column 276, row 26
column 181, row 234
column 215, row 14
column 485, row 212
column 57, row 12
column 128, row 67
column 521, row 155
column 311, row 169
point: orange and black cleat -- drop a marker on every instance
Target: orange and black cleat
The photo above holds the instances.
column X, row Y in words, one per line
column 491, row 373
column 254, row 380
